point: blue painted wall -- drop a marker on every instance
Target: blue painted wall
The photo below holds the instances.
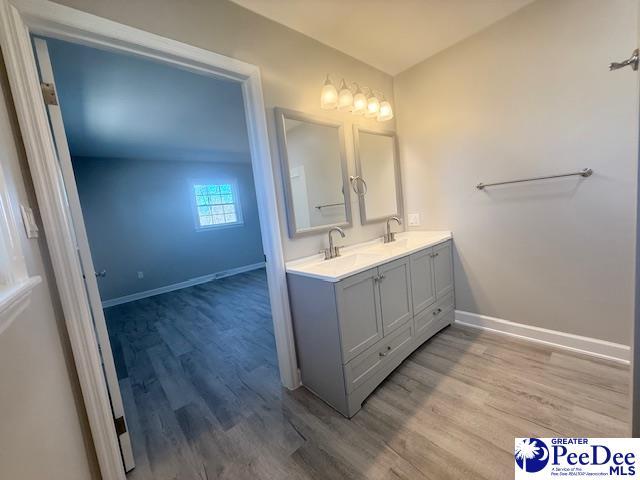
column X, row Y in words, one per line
column 139, row 217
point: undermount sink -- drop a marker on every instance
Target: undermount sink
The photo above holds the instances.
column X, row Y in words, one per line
column 348, row 262
column 392, row 247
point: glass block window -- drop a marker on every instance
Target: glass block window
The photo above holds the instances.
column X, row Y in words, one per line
column 217, row 205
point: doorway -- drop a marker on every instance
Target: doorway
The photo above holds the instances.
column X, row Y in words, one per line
column 22, row 19
column 157, row 171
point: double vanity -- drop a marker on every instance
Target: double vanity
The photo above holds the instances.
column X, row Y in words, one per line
column 358, row 316
column 358, row 311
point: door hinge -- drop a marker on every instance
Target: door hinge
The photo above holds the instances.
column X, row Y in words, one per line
column 49, row 93
column 121, row 425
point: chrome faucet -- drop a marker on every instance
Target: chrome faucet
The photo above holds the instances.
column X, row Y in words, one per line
column 333, row 251
column 391, row 236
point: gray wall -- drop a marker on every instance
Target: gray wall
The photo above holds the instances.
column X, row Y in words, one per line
column 293, row 69
column 532, row 95
column 139, row 217
column 44, row 431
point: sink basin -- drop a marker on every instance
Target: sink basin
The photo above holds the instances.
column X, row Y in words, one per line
column 392, row 248
column 347, row 262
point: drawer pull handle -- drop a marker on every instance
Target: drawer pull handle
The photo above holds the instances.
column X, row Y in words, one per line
column 437, row 311
column 384, row 354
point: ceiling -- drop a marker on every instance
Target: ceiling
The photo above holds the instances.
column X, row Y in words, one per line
column 119, row 106
column 391, row 35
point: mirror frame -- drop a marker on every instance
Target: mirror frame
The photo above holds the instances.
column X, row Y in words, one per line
column 281, row 115
column 396, row 161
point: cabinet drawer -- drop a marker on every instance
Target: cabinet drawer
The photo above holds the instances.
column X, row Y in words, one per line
column 431, row 320
column 365, row 365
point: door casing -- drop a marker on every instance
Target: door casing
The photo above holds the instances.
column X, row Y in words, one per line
column 18, row 20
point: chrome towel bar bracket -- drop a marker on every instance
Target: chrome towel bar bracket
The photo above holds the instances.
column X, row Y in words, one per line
column 587, row 172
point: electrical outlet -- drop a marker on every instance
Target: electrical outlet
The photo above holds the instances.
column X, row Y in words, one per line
column 414, row 219
column 140, row 274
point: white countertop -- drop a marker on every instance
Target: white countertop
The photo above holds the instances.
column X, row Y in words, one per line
column 363, row 256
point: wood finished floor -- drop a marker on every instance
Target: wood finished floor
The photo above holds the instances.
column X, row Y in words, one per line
column 199, row 378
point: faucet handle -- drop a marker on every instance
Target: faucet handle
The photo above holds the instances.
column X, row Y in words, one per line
column 336, row 251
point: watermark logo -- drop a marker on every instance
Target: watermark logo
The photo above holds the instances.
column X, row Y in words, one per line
column 588, row 458
column 531, row 454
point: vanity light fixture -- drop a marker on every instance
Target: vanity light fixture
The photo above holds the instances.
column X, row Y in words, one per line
column 352, row 98
column 345, row 97
column 359, row 102
column 386, row 112
column 373, row 106
column 329, row 95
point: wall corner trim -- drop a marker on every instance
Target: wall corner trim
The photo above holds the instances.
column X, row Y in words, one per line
column 589, row 346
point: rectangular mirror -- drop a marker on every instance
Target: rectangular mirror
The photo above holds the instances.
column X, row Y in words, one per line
column 314, row 167
column 378, row 169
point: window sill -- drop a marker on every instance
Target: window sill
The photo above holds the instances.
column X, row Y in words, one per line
column 220, row 226
column 14, row 300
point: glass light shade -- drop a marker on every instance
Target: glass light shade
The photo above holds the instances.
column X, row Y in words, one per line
column 359, row 103
column 373, row 107
column 345, row 97
column 386, row 112
column 329, row 95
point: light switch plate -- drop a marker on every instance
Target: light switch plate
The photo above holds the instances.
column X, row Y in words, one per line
column 414, row 219
column 29, row 221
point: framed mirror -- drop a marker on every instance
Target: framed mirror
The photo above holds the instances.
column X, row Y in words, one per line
column 315, row 175
column 378, row 175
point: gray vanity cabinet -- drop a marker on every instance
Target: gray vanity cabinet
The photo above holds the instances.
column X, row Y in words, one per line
column 443, row 269
column 422, row 281
column 351, row 334
column 358, row 300
column 394, row 281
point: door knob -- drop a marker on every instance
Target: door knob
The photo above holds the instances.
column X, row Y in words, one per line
column 102, row 273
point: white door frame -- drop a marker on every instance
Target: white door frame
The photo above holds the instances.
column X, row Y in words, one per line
column 19, row 19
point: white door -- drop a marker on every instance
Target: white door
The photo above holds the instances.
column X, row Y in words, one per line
column 64, row 157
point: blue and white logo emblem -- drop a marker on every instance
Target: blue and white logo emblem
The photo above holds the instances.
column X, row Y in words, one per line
column 531, row 454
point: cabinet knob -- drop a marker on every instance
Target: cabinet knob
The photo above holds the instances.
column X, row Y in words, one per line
column 384, row 354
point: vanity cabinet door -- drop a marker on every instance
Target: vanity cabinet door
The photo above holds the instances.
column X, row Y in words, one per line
column 443, row 269
column 394, row 280
column 423, row 285
column 358, row 302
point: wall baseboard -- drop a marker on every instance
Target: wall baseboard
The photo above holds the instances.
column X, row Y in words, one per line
column 576, row 343
column 178, row 286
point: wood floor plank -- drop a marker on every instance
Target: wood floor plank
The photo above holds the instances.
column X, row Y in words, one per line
column 199, row 377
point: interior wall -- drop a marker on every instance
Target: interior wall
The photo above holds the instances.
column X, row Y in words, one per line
column 532, row 95
column 44, row 431
column 140, row 217
column 293, row 69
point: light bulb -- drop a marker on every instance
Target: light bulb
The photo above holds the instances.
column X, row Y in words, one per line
column 386, row 112
column 345, row 97
column 373, row 106
column 359, row 103
column 329, row 95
